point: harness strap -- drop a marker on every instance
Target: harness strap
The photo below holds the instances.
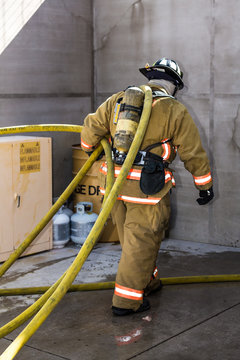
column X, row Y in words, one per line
column 150, row 147
column 125, row 107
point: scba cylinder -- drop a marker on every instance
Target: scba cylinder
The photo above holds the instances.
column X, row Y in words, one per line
column 129, row 117
column 61, row 229
column 82, row 222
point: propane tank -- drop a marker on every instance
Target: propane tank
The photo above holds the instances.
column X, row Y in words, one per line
column 129, row 117
column 67, row 211
column 82, row 222
column 61, row 229
column 65, row 208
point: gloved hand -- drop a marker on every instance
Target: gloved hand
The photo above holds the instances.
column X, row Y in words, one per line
column 205, row 196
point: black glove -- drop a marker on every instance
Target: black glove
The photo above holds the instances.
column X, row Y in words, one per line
column 205, row 196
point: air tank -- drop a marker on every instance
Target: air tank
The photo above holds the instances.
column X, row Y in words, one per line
column 61, row 229
column 129, row 118
column 82, row 222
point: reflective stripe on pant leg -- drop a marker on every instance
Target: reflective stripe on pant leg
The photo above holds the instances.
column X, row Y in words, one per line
column 128, row 293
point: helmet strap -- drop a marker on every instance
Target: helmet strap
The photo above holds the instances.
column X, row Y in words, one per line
column 175, row 90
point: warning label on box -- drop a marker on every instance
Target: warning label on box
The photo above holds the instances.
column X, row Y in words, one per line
column 29, row 157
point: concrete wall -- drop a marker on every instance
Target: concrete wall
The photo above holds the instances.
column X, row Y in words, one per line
column 202, row 36
column 46, row 76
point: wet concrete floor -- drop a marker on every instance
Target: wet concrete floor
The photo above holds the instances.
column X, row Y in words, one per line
column 185, row 322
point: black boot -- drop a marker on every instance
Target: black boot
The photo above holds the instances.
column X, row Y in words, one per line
column 122, row 312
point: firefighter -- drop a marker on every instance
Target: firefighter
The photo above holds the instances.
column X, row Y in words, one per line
column 142, row 211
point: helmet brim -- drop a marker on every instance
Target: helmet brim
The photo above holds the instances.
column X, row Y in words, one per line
column 155, row 72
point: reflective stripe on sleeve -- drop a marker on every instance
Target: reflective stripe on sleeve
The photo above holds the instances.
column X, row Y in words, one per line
column 166, row 149
column 202, row 180
column 85, row 145
column 128, row 293
column 169, row 177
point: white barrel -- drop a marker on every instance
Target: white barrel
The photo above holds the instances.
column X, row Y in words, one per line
column 61, row 229
column 82, row 222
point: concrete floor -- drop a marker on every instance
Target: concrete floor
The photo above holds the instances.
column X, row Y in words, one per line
column 199, row 321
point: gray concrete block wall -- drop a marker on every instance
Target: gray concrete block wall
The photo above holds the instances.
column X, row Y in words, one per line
column 46, row 76
column 202, row 36
column 130, row 33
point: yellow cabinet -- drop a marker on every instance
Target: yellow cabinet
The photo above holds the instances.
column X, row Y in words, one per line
column 25, row 192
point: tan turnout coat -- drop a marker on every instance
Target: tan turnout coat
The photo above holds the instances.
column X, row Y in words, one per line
column 169, row 120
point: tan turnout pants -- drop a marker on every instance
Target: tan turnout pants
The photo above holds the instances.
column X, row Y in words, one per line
column 141, row 229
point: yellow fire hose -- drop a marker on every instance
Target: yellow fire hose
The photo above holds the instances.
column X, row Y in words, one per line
column 38, row 128
column 76, row 266
column 111, row 284
column 29, row 312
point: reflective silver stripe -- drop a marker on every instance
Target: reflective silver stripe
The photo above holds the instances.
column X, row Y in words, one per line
column 135, row 174
column 139, row 200
column 130, row 293
column 202, row 180
column 151, row 201
column 85, row 145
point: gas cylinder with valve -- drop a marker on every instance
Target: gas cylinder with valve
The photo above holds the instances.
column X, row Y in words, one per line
column 82, row 222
